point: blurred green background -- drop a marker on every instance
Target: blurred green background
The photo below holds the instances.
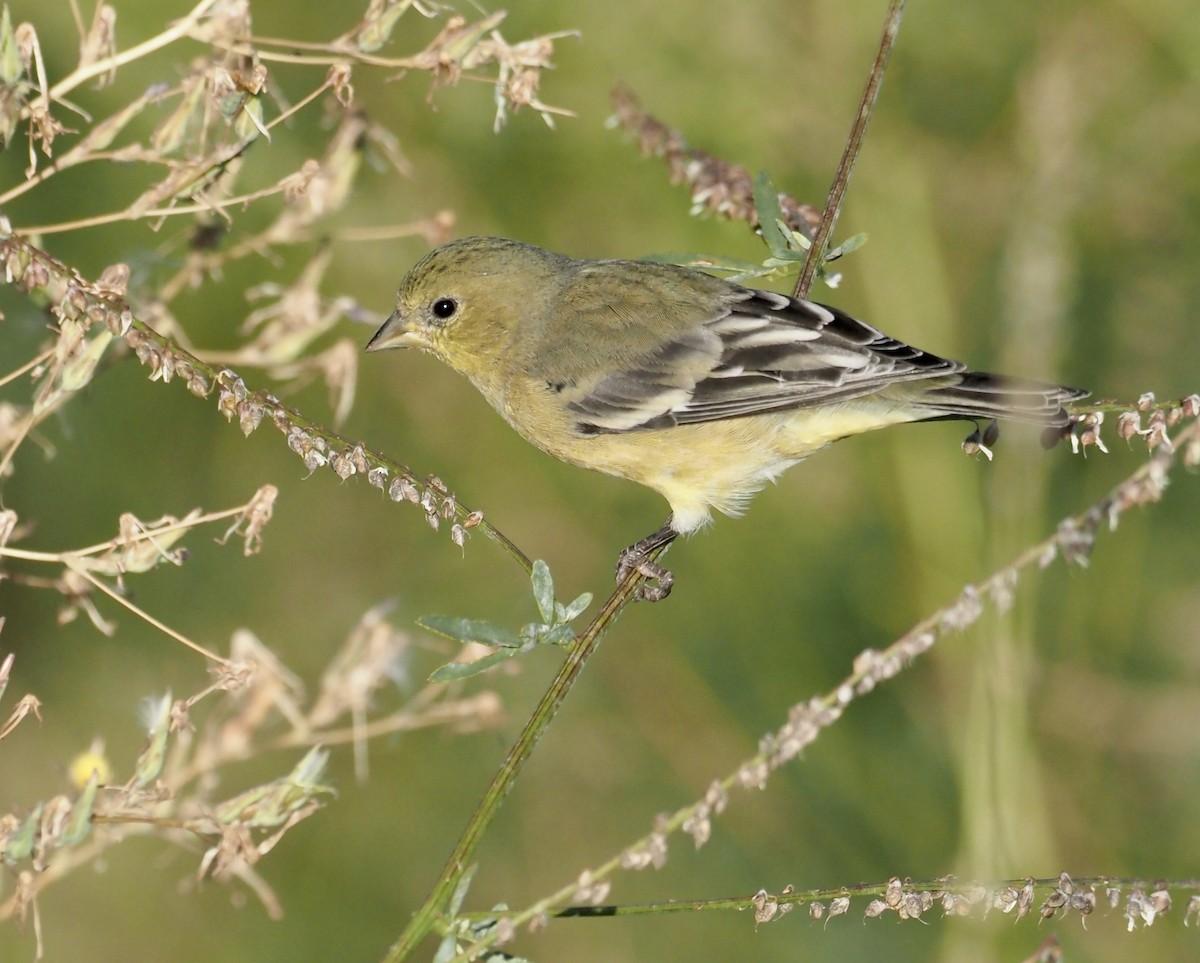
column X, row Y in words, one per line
column 1031, row 189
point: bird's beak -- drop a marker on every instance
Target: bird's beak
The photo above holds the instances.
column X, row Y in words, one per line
column 396, row 333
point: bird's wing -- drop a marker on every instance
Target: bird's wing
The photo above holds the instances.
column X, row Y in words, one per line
column 760, row 352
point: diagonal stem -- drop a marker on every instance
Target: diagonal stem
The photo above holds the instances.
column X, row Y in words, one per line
column 426, row 917
column 833, row 206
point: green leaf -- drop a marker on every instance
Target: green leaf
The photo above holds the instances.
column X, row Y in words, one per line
column 543, row 590
column 448, row 948
column 852, row 243
column 770, row 215
column 572, row 611
column 461, row 888
column 454, row 671
column 471, row 630
column 80, row 823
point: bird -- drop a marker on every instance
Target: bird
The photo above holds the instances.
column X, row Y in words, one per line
column 697, row 387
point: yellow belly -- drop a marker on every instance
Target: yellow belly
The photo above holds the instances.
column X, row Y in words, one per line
column 721, row 464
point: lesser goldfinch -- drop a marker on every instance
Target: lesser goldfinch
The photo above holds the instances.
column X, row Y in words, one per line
column 699, row 388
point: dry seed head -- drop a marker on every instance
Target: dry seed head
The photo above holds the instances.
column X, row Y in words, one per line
column 144, row 351
column 716, row 798
column 1160, row 899
column 16, row 264
column 765, row 907
column 298, row 441
column 250, row 415
column 698, row 825
column 113, row 282
column 1091, row 436
column 1053, row 903
column 97, row 312
column 231, row 392
column 402, row 489
column 1136, row 907
column 119, row 322
column 341, row 464
column 1083, row 903
column 164, row 369
column 1075, row 541
column 753, row 775
column 1156, row 431
column 1146, row 401
column 1129, row 423
column 36, row 276
column 73, row 304
column 1002, row 588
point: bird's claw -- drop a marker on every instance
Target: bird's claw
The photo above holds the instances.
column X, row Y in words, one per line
column 657, row 579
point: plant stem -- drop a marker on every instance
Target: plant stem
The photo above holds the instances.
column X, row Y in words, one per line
column 841, row 178
column 425, row 918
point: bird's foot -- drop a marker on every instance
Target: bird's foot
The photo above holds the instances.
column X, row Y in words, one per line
column 657, row 580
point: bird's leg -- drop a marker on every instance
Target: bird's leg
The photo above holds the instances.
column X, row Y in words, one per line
column 658, row 580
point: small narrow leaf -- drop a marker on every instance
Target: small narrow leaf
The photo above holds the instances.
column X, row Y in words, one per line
column 852, row 243
column 766, row 206
column 543, row 590
column 80, row 823
column 571, row 611
column 448, row 949
column 471, row 630
column 461, row 888
column 455, row 671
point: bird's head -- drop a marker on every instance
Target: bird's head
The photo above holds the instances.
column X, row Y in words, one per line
column 464, row 301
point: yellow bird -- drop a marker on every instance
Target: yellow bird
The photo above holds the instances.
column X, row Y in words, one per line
column 699, row 388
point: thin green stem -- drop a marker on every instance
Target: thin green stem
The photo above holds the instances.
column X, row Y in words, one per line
column 426, row 917
column 833, row 206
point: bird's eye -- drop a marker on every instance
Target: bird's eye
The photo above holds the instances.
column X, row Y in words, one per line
column 444, row 308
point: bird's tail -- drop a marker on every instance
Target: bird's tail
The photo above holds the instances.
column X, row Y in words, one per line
column 976, row 394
